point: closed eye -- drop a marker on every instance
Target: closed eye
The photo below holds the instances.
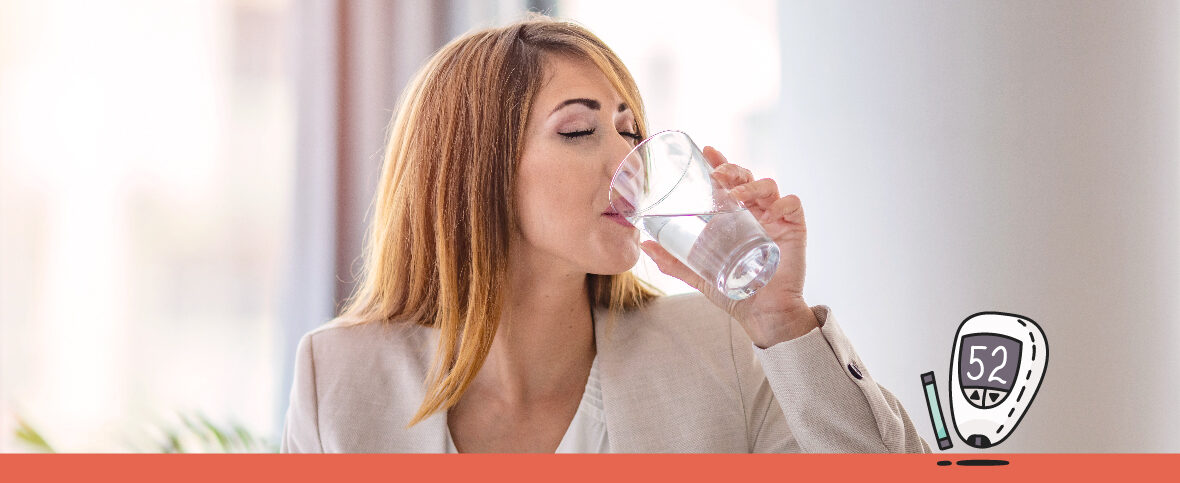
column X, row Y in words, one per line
column 577, row 133
column 574, row 134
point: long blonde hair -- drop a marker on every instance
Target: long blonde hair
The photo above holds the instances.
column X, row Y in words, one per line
column 436, row 254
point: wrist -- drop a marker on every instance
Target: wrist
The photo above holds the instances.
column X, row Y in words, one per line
column 787, row 325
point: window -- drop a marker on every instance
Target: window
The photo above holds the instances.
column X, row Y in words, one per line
column 145, row 164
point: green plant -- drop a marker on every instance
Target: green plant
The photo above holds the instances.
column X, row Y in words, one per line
column 28, row 436
column 197, row 434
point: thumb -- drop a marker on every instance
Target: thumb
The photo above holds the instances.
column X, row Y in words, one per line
column 671, row 266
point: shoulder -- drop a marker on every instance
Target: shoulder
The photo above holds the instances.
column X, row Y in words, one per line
column 339, row 338
column 345, row 356
column 675, row 328
column 691, row 305
column 365, row 382
column 689, row 315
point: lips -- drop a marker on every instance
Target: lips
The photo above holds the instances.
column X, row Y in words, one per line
column 613, row 213
column 617, row 218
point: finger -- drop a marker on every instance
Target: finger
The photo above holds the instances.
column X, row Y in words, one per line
column 670, row 265
column 730, row 175
column 713, row 156
column 761, row 193
column 788, row 208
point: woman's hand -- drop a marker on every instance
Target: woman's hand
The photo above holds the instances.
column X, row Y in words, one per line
column 777, row 312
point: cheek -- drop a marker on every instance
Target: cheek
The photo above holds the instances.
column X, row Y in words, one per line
column 554, row 199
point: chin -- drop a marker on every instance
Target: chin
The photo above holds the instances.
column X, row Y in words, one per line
column 614, row 262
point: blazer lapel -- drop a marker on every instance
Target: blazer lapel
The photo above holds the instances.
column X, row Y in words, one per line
column 630, row 428
column 610, row 368
column 667, row 379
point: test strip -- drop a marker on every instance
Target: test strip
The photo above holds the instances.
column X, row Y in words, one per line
column 935, row 409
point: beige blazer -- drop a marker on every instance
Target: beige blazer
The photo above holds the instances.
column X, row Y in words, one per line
column 678, row 375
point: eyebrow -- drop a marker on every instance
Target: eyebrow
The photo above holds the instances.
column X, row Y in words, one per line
column 591, row 103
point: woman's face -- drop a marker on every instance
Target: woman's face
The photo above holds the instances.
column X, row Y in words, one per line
column 578, row 132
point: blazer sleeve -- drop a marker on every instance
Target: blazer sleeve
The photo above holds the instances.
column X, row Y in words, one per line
column 817, row 397
column 301, row 433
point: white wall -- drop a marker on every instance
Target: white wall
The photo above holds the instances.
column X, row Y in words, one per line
column 955, row 157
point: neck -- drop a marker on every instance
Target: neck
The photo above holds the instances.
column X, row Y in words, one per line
column 545, row 342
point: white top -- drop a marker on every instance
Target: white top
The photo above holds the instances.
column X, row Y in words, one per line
column 587, row 431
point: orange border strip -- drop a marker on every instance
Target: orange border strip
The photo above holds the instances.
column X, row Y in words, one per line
column 576, row 468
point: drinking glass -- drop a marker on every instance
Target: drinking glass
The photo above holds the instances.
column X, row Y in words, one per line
column 664, row 188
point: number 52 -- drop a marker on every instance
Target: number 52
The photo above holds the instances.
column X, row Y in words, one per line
column 975, row 360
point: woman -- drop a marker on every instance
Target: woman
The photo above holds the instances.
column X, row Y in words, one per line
column 493, row 267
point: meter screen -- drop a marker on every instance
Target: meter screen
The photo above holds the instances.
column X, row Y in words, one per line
column 988, row 366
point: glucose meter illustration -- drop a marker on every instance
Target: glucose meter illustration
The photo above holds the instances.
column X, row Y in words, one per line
column 997, row 367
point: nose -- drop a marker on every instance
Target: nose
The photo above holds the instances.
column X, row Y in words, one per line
column 624, row 177
column 615, row 154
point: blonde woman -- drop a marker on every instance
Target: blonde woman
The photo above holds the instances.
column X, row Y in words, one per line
column 497, row 313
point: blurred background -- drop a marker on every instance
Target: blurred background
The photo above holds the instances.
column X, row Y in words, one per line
column 184, row 185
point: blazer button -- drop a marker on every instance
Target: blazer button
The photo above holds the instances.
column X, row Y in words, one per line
column 852, row 368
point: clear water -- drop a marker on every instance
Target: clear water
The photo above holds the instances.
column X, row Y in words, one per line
column 728, row 249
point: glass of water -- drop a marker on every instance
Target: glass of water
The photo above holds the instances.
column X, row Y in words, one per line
column 664, row 188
